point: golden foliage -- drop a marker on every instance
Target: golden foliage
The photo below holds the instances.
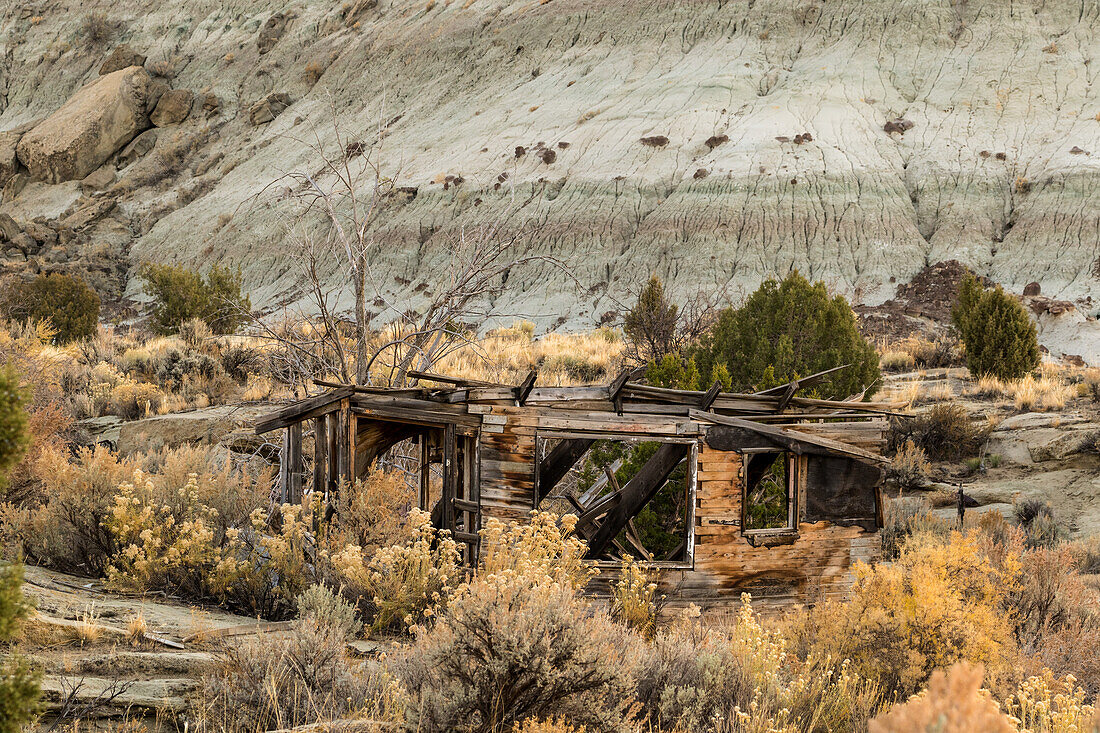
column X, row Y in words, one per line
column 634, row 598
column 405, row 583
column 939, row 603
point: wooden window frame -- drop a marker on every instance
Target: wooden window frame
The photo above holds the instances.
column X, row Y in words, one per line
column 794, row 477
column 688, row 561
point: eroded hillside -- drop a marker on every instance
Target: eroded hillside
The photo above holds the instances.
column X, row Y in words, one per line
column 713, row 143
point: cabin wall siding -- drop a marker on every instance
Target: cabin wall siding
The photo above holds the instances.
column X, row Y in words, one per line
column 816, row 566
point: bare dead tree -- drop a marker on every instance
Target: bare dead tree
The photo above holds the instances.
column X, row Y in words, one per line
column 352, row 189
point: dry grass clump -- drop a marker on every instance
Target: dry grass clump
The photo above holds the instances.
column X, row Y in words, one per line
column 909, row 469
column 634, row 599
column 916, row 352
column 507, row 355
column 1049, row 392
column 281, row 682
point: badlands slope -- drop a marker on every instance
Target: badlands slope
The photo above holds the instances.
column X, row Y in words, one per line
column 996, row 162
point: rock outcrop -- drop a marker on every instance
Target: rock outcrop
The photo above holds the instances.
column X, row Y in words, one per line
column 172, row 107
column 121, row 57
column 858, row 141
column 268, row 108
column 88, row 129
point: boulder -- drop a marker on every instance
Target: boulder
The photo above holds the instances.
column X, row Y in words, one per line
column 268, row 108
column 9, row 230
column 9, row 162
column 137, row 148
column 271, row 32
column 14, row 185
column 172, row 107
column 122, row 57
column 97, row 120
column 157, row 87
column 208, row 426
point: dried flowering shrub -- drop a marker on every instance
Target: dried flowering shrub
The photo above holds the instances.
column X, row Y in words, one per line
column 517, row 641
column 403, row 583
column 954, row 701
column 1044, row 703
column 940, row 603
column 743, row 677
column 284, row 681
column 178, row 545
column 634, row 599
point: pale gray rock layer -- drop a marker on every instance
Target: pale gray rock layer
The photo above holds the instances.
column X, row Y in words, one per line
column 999, row 168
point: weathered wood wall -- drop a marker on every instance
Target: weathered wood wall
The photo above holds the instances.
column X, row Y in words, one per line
column 815, row 566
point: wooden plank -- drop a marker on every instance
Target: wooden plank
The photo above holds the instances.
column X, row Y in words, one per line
column 450, row 477
column 793, row 439
column 448, row 380
column 320, row 460
column 284, row 472
column 294, row 463
column 331, row 420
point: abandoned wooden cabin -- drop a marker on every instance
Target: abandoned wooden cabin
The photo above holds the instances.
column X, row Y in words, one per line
column 768, row 493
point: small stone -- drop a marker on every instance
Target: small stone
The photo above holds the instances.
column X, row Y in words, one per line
column 1033, row 288
column 9, row 230
column 268, row 108
column 98, row 179
column 137, row 148
column 211, row 105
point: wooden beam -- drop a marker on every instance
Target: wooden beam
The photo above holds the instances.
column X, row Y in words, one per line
column 450, row 478
column 301, row 410
column 554, row 466
column 294, row 463
column 796, row 441
column 614, row 390
column 637, row 492
column 428, row 376
column 807, row 381
column 523, row 391
column 320, row 460
column 710, row 396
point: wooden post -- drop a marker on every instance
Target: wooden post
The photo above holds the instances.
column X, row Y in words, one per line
column 425, row 471
column 343, row 444
column 293, row 493
column 284, row 478
column 450, row 478
column 333, row 460
column 320, row 461
column 353, row 426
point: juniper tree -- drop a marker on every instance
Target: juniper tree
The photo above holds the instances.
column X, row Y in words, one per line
column 788, row 329
column 999, row 335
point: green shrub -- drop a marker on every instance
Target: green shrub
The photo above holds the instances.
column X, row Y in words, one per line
column 14, row 437
column 789, row 329
column 180, row 295
column 320, row 606
column 18, row 680
column 999, row 336
column 71, row 307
